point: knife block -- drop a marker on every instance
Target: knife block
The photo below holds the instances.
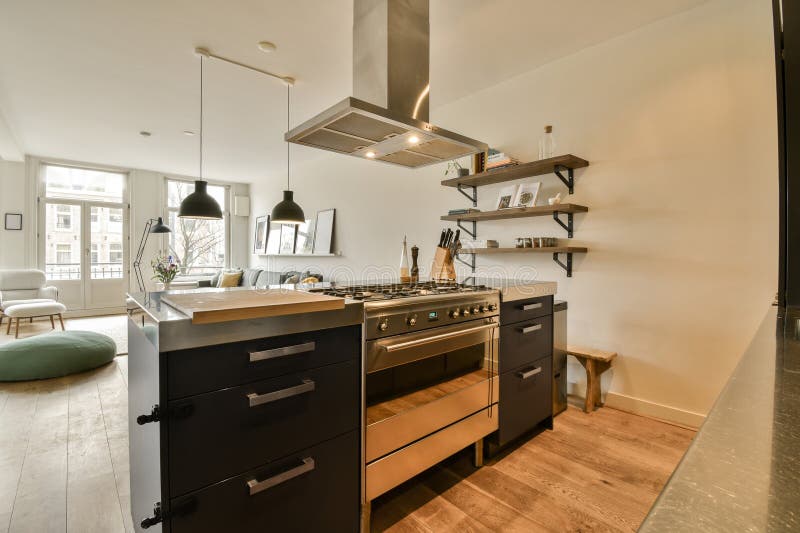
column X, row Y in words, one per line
column 443, row 268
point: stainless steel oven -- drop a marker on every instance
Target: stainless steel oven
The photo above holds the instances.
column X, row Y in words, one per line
column 431, row 382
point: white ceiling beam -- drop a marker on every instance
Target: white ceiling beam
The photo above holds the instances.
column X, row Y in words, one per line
column 9, row 148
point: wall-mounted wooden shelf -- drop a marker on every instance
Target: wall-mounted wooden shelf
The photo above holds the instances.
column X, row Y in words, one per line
column 545, row 250
column 555, row 250
column 554, row 165
column 338, row 254
column 518, row 212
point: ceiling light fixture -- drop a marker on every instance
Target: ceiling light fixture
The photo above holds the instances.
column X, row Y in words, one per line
column 370, row 154
column 200, row 204
column 266, row 46
column 188, row 132
column 413, row 139
column 287, row 211
column 145, row 133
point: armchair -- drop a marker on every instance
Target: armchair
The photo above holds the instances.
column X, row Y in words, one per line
column 24, row 286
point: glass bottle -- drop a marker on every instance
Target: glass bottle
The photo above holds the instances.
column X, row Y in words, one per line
column 405, row 276
column 547, row 144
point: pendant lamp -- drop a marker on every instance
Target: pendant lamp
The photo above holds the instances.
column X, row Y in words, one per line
column 287, row 211
column 200, row 204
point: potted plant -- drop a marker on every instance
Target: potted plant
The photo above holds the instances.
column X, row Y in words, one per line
column 456, row 168
column 165, row 268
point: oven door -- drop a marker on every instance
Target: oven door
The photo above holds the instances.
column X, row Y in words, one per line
column 409, row 347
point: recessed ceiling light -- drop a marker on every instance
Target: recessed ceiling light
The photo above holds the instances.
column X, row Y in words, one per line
column 413, row 139
column 145, row 133
column 188, row 132
column 370, row 154
column 266, row 46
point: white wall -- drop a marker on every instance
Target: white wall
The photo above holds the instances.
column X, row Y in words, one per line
column 678, row 122
column 14, row 199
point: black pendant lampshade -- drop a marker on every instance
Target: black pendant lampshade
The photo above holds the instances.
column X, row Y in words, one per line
column 200, row 204
column 287, row 211
column 160, row 227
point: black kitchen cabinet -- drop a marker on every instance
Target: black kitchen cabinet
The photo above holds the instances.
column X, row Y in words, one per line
column 526, row 371
column 258, row 435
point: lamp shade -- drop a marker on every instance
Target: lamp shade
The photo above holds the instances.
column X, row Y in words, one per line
column 200, row 204
column 287, row 211
column 160, row 227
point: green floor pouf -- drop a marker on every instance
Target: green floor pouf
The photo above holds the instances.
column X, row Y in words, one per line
column 55, row 354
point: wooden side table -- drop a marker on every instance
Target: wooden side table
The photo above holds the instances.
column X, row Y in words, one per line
column 595, row 362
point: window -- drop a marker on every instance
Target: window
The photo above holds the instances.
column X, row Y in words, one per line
column 63, row 254
column 115, row 252
column 83, row 184
column 115, row 216
column 63, row 217
column 199, row 246
column 95, row 258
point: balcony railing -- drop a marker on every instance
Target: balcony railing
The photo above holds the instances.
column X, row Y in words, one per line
column 72, row 271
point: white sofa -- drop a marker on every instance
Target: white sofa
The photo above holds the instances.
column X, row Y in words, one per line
column 24, row 286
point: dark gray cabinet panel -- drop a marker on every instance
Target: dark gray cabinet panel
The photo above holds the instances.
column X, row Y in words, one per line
column 222, row 432
column 519, row 310
column 525, row 341
column 525, row 398
column 212, row 368
column 300, row 499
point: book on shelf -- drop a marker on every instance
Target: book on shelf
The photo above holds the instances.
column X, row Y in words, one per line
column 465, row 211
column 479, row 243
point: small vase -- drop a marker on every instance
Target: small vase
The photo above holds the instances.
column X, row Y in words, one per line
column 167, row 285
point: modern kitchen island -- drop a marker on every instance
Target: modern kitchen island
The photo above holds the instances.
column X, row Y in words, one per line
column 269, row 421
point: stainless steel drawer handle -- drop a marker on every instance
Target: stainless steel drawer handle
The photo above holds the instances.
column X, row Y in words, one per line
column 529, row 373
column 260, row 399
column 530, row 329
column 282, row 352
column 435, row 338
column 531, row 307
column 257, row 486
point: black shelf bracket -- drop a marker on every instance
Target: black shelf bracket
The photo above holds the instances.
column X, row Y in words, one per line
column 566, row 266
column 569, row 181
column 472, row 233
column 567, row 226
column 470, row 263
column 471, row 197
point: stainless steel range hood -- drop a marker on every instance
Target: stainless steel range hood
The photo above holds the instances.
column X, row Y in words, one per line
column 387, row 118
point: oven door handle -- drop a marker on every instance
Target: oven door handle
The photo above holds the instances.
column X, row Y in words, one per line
column 436, row 338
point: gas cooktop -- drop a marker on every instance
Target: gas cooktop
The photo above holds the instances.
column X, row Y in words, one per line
column 392, row 291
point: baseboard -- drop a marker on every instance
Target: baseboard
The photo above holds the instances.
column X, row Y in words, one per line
column 638, row 406
column 81, row 313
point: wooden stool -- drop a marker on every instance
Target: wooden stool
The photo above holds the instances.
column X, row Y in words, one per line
column 595, row 362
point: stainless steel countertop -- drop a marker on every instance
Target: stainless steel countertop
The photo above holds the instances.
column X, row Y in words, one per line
column 169, row 329
column 742, row 471
column 517, row 289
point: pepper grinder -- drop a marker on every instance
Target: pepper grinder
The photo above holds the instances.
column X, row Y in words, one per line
column 414, row 266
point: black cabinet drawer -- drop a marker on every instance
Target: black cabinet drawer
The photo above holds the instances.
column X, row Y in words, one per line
column 313, row 490
column 519, row 310
column 215, row 367
column 220, row 434
column 525, row 398
column 525, row 342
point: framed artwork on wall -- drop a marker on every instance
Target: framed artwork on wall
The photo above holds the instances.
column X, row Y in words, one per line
column 305, row 237
column 273, row 239
column 288, row 232
column 323, row 234
column 13, row 221
column 260, row 237
column 527, row 194
column 506, row 197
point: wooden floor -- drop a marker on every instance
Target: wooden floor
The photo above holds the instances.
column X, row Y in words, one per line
column 64, row 467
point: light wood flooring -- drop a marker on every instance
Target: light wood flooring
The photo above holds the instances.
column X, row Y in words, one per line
column 64, row 467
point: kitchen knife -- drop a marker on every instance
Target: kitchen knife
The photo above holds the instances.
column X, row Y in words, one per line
column 448, row 237
column 454, row 245
column 441, row 238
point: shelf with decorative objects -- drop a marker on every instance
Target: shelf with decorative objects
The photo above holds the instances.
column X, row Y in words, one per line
column 562, row 166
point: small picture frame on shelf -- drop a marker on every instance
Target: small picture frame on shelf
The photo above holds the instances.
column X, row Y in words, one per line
column 288, row 233
column 305, row 237
column 507, row 196
column 527, row 194
column 273, row 245
column 260, row 236
column 323, row 234
column 13, row 221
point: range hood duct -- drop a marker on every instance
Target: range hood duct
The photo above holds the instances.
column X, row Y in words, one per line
column 387, row 118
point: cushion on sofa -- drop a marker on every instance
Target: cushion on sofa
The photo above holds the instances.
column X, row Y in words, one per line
column 250, row 277
column 55, row 354
column 267, row 278
column 230, row 279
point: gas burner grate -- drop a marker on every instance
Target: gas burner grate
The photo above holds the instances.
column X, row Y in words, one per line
column 391, row 291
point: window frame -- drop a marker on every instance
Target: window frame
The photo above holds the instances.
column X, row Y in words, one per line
column 167, row 211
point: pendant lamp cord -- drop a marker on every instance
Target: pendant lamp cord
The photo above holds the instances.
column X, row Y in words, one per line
column 201, row 117
column 288, row 88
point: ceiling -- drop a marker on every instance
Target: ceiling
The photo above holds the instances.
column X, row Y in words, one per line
column 80, row 79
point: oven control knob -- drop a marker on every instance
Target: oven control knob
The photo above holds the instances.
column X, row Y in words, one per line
column 412, row 320
column 475, row 310
column 455, row 313
column 383, row 325
column 465, row 312
column 484, row 309
column 492, row 307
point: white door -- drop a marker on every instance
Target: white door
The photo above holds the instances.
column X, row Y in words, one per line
column 83, row 243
